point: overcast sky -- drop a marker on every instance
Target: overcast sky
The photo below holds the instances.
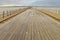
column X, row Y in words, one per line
column 23, row 2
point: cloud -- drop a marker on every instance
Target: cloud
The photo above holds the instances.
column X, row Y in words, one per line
column 23, row 2
column 46, row 3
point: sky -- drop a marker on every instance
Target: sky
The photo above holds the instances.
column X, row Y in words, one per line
column 46, row 3
column 29, row 2
column 16, row 2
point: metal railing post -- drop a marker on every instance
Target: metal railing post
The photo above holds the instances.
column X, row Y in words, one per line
column 7, row 13
column 10, row 12
column 3, row 13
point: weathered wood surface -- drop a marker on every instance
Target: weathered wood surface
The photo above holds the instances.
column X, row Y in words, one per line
column 30, row 25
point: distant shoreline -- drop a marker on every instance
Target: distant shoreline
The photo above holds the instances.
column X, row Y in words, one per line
column 31, row 6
